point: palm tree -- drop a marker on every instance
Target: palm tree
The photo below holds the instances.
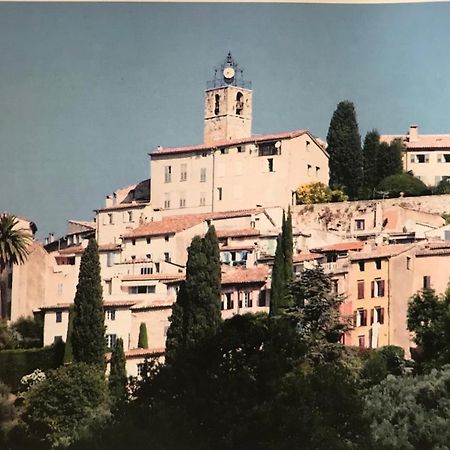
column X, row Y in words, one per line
column 14, row 242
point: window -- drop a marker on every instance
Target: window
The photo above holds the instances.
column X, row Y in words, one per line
column 167, row 256
column 202, row 199
column 270, row 164
column 130, row 216
column 110, row 259
column 157, row 267
column 308, row 169
column 427, row 282
column 149, row 240
column 240, row 149
column 168, row 174
column 133, row 257
column 360, row 224
column 421, row 158
column 248, row 302
column 408, row 263
column 378, row 264
column 110, row 219
column 268, row 149
column 239, row 103
column 219, row 193
column 150, row 289
column 108, row 285
column 361, row 318
column 133, row 241
column 203, row 174
column 166, row 200
column 377, row 288
column 146, row 270
column 140, row 369
column 335, row 286
column 362, row 266
column 204, row 154
column 377, row 315
column 110, row 314
column 224, row 151
column 57, row 339
column 183, row 200
column 216, row 104
column 183, row 172
column 58, row 316
column 446, row 157
column 360, row 289
column 167, row 237
column 317, row 171
column 111, row 340
column 227, row 301
column 362, row 341
column 262, row 298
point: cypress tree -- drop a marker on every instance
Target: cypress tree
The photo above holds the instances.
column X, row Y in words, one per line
column 68, row 349
column 344, row 148
column 390, row 159
column 88, row 333
column 117, row 381
column 282, row 272
column 143, row 339
column 370, row 152
column 196, row 313
column 277, row 285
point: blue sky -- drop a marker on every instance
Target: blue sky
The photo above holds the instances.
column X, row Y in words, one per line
column 87, row 90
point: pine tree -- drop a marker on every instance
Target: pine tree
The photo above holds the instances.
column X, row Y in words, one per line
column 196, row 313
column 344, row 148
column 118, row 376
column 88, row 333
column 370, row 152
column 68, row 348
column 143, row 339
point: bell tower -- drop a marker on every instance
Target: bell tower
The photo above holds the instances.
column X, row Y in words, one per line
column 228, row 104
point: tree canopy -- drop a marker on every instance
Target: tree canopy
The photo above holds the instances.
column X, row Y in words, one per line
column 394, row 185
column 14, row 241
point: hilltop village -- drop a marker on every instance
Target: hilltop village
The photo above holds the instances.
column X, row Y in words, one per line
column 379, row 252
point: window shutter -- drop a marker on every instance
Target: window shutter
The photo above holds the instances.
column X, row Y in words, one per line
column 381, row 288
column 427, row 158
column 372, row 289
column 381, row 315
column 360, row 289
column 372, row 314
column 364, row 317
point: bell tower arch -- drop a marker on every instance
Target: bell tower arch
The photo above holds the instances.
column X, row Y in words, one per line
column 228, row 104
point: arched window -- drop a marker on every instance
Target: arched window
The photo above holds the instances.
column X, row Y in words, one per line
column 239, row 103
column 216, row 105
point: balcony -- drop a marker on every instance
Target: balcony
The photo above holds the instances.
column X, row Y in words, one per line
column 337, row 266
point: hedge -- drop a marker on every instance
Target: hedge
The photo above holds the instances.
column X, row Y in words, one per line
column 14, row 364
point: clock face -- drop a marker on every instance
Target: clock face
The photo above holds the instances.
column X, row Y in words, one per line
column 228, row 72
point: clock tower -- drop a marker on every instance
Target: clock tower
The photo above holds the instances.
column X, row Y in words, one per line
column 228, row 104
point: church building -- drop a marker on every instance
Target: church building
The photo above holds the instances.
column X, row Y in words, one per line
column 233, row 169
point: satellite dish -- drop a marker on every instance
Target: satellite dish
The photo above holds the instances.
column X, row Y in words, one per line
column 277, row 144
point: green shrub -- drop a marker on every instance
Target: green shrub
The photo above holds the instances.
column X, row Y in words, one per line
column 14, row 364
column 404, row 182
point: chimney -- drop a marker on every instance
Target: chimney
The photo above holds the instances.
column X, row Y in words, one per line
column 413, row 133
column 108, row 202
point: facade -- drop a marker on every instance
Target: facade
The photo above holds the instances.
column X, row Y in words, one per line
column 427, row 155
column 233, row 167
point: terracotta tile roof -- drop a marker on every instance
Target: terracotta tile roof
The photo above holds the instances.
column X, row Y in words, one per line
column 435, row 248
column 231, row 248
column 342, row 246
column 230, row 143
column 138, row 353
column 302, row 257
column 165, row 302
column 123, row 206
column 84, row 223
column 237, row 233
column 73, row 250
column 382, row 251
column 257, row 274
column 154, row 276
column 425, row 141
column 106, row 303
column 109, row 247
column 177, row 223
